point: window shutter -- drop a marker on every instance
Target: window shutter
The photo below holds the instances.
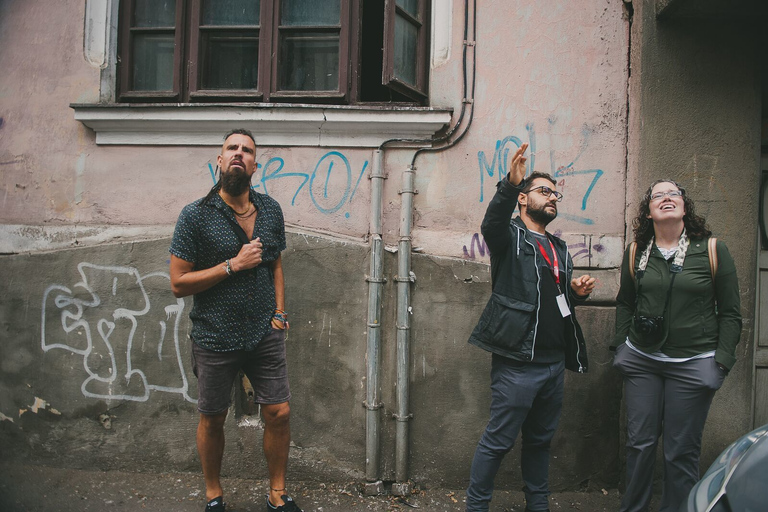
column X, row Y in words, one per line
column 406, row 39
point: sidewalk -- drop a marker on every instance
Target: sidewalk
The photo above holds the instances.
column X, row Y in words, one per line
column 27, row 488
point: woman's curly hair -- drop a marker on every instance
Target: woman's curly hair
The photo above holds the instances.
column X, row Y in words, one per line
column 695, row 225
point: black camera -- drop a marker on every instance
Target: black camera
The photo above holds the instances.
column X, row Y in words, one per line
column 649, row 326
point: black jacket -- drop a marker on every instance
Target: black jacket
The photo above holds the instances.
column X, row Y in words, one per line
column 509, row 321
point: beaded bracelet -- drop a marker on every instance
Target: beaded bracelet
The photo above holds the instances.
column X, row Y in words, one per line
column 280, row 315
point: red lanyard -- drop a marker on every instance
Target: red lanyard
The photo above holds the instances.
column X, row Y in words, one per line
column 554, row 266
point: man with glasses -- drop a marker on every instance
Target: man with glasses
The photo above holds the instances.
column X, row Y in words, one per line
column 529, row 326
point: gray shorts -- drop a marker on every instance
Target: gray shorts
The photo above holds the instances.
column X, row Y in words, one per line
column 265, row 367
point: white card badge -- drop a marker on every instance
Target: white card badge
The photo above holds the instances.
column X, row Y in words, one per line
column 563, row 305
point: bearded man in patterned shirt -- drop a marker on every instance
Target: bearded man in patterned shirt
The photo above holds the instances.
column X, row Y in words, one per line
column 226, row 252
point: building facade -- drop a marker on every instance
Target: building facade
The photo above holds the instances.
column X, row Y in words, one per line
column 382, row 128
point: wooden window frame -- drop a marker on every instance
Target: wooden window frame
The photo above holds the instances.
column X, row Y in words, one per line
column 419, row 91
column 188, row 53
column 195, row 52
column 126, row 60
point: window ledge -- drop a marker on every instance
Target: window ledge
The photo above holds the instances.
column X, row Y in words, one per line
column 271, row 124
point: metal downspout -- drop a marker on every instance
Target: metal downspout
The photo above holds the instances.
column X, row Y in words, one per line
column 404, row 279
column 376, row 282
column 404, row 275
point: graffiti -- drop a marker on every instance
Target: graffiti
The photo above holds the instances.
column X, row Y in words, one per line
column 110, row 318
column 497, row 167
column 331, row 184
column 579, row 251
column 482, row 247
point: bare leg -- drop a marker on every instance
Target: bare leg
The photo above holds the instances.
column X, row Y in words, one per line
column 210, row 447
column 277, row 441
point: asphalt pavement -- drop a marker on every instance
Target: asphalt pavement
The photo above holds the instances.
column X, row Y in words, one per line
column 27, row 488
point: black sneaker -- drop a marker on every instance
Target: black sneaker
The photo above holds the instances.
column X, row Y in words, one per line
column 216, row 505
column 288, row 506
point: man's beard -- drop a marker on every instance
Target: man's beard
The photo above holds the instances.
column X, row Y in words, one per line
column 542, row 215
column 235, row 181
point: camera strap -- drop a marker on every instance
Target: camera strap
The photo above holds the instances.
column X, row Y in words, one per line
column 674, row 269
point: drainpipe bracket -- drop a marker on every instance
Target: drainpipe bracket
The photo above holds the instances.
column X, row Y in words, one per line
column 373, row 488
column 402, row 418
column 382, row 280
column 373, row 407
column 414, row 191
column 410, row 279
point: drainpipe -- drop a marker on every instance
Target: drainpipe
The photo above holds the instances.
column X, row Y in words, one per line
column 376, row 282
column 404, row 279
column 404, row 276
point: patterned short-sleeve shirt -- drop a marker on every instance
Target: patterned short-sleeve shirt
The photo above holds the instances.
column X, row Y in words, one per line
column 236, row 313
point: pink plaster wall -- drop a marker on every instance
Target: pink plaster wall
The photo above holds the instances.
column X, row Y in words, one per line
column 553, row 74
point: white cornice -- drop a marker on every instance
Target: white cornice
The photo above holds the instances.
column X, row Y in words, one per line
column 271, row 124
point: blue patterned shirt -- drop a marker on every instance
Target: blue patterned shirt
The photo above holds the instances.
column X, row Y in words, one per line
column 236, row 313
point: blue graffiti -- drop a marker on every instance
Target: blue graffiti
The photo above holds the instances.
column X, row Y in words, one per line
column 499, row 162
column 320, row 180
column 497, row 167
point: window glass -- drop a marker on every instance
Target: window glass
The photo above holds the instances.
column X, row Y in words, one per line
column 230, row 62
column 406, row 43
column 306, row 13
column 411, row 6
column 231, row 12
column 154, row 13
column 309, row 61
column 153, row 62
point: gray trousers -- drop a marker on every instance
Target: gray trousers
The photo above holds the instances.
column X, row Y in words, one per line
column 670, row 400
column 528, row 397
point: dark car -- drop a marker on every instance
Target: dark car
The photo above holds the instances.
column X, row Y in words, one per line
column 737, row 481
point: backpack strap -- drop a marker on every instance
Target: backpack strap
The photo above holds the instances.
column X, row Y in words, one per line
column 712, row 249
column 632, row 253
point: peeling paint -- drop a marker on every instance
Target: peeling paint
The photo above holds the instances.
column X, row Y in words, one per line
column 42, row 404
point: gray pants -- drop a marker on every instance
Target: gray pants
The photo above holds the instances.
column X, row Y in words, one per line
column 527, row 397
column 669, row 399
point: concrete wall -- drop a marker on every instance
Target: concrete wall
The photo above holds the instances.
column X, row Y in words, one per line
column 86, row 229
column 74, row 327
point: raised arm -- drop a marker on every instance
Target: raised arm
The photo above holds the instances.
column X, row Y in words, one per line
column 495, row 226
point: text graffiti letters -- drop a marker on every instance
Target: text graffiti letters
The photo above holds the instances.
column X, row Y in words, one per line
column 126, row 328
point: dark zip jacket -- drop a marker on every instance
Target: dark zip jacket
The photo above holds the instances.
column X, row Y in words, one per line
column 509, row 322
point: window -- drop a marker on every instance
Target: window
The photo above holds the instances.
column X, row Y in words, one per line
column 297, row 51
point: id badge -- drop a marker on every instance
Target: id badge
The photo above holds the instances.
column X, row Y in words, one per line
column 563, row 305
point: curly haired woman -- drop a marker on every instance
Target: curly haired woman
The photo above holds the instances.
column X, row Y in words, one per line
column 678, row 322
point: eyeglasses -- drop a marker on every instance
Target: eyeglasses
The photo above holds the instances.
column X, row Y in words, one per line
column 547, row 192
column 672, row 194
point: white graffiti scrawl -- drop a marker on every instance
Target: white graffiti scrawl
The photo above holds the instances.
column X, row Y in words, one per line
column 112, row 318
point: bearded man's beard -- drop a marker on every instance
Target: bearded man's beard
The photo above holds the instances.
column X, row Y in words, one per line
column 542, row 215
column 235, row 181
